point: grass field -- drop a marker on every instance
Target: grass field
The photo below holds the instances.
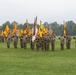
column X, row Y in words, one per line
column 27, row 62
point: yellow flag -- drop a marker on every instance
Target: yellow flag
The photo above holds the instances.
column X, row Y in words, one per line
column 46, row 30
column 20, row 32
column 7, row 28
column 6, row 31
column 51, row 31
column 41, row 29
column 15, row 27
column 65, row 29
column 27, row 29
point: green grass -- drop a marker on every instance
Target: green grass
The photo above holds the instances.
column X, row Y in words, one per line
column 27, row 62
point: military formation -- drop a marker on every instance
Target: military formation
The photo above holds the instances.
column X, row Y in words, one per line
column 39, row 39
column 47, row 42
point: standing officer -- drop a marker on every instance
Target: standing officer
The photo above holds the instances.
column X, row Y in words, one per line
column 15, row 40
column 8, row 40
column 68, row 40
column 47, row 42
column 42, row 43
column 21, row 41
column 52, row 42
column 61, row 38
column 32, row 43
column 37, row 41
column 24, row 41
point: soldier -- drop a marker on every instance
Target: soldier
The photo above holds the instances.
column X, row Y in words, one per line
column 46, row 41
column 75, row 40
column 15, row 40
column 42, row 43
column 8, row 40
column 1, row 38
column 21, row 41
column 52, row 42
column 61, row 38
column 24, row 41
column 68, row 40
column 32, row 43
column 37, row 42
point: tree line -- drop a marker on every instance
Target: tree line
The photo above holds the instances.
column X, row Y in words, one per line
column 57, row 28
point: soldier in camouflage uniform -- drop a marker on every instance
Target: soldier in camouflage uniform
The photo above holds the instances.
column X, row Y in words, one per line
column 46, row 41
column 15, row 40
column 68, row 40
column 37, row 41
column 42, row 43
column 32, row 43
column 75, row 40
column 61, row 38
column 21, row 41
column 8, row 40
column 52, row 39
column 24, row 41
column 1, row 38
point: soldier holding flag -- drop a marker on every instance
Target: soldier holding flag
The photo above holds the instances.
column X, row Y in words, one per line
column 34, row 33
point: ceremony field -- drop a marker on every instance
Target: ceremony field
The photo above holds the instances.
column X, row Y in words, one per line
column 27, row 62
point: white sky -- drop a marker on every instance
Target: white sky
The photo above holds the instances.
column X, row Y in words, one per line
column 46, row 10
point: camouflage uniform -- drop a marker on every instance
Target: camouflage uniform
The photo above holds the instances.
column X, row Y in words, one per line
column 61, row 42
column 15, row 41
column 21, row 41
column 47, row 42
column 52, row 42
column 68, row 40
column 8, row 40
column 37, row 41
column 24, row 41
column 31, row 43
column 42, row 43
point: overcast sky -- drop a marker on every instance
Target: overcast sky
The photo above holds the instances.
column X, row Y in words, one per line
column 46, row 10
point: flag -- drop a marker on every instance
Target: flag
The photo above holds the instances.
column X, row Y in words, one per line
column 65, row 29
column 20, row 32
column 45, row 31
column 51, row 31
column 7, row 28
column 6, row 31
column 27, row 29
column 34, row 30
column 41, row 29
column 15, row 27
column 35, row 26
